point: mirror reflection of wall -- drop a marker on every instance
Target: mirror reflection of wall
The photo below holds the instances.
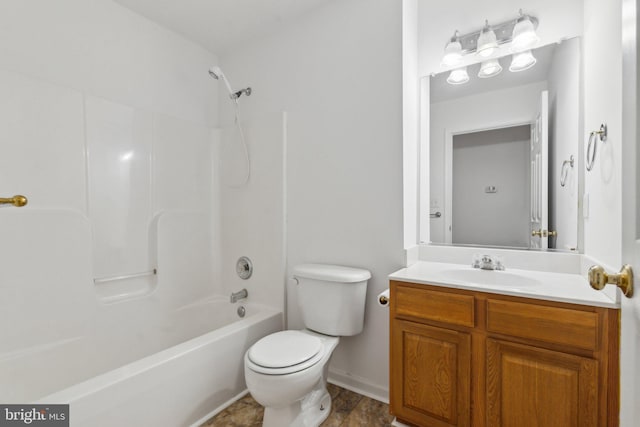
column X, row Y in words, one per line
column 490, row 187
column 506, row 101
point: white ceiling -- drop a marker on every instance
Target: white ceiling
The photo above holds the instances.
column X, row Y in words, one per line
column 219, row 25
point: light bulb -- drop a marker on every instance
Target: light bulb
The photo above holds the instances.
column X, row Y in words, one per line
column 524, row 34
column 522, row 61
column 487, row 43
column 490, row 68
column 452, row 54
column 458, row 76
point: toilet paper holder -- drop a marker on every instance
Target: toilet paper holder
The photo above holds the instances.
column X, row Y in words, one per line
column 384, row 298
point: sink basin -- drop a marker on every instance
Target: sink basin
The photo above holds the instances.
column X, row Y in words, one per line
column 489, row 277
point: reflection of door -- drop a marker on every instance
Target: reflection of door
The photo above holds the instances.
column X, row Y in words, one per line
column 540, row 175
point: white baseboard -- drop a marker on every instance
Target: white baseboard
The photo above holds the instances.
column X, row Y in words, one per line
column 359, row 385
column 396, row 423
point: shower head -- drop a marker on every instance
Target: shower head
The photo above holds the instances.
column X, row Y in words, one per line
column 216, row 73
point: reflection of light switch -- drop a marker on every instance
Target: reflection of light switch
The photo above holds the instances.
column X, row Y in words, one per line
column 490, row 189
column 434, row 203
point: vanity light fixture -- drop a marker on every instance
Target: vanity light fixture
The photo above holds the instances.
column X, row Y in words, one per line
column 519, row 34
column 458, row 76
column 490, row 68
column 522, row 61
column 487, row 43
column 453, row 51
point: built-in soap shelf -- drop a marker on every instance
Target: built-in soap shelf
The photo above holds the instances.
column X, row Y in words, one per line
column 125, row 287
column 107, row 279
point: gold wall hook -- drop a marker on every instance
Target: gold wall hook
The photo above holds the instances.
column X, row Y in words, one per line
column 598, row 278
column 18, row 201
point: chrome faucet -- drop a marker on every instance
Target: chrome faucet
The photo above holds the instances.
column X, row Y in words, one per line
column 236, row 296
column 485, row 262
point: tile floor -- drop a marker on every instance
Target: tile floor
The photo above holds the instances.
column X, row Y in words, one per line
column 348, row 409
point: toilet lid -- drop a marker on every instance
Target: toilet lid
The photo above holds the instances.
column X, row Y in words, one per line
column 283, row 349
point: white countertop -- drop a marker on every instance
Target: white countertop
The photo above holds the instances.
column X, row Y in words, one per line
column 561, row 287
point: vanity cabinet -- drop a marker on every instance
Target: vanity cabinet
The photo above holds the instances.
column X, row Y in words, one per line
column 466, row 358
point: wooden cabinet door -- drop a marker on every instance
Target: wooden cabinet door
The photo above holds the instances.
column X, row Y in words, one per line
column 430, row 375
column 530, row 386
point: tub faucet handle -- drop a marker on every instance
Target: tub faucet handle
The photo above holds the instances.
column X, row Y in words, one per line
column 236, row 296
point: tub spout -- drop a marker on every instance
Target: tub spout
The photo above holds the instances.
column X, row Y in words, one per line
column 236, row 296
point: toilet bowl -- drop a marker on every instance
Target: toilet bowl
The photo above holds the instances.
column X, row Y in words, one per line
column 286, row 372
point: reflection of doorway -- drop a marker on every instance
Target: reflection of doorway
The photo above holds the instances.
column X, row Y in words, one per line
column 491, row 187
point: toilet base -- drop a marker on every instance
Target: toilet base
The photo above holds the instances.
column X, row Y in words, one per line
column 308, row 412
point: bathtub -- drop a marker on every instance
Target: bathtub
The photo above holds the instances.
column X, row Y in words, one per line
column 181, row 385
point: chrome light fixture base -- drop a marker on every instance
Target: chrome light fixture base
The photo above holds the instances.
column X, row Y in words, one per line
column 503, row 32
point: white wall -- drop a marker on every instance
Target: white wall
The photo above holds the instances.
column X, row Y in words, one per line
column 498, row 158
column 411, row 122
column 507, row 107
column 83, row 82
column 565, row 136
column 338, row 74
column 603, row 104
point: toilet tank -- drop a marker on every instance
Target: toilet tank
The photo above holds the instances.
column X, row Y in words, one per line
column 332, row 298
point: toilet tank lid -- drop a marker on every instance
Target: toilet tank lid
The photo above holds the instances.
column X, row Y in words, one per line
column 331, row 273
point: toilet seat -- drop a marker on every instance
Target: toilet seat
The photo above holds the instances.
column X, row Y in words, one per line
column 284, row 353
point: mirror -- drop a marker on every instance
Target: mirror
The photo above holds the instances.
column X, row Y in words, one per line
column 504, row 155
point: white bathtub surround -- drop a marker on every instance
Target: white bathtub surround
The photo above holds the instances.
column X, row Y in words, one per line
column 51, row 279
column 150, row 179
column 252, row 216
column 550, row 286
column 198, row 371
column 107, row 126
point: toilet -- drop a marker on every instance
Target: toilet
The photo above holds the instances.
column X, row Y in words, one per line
column 286, row 372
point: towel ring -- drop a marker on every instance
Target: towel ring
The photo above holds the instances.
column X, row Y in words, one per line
column 566, row 165
column 593, row 141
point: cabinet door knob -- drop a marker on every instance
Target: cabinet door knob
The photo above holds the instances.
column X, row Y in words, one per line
column 598, row 278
